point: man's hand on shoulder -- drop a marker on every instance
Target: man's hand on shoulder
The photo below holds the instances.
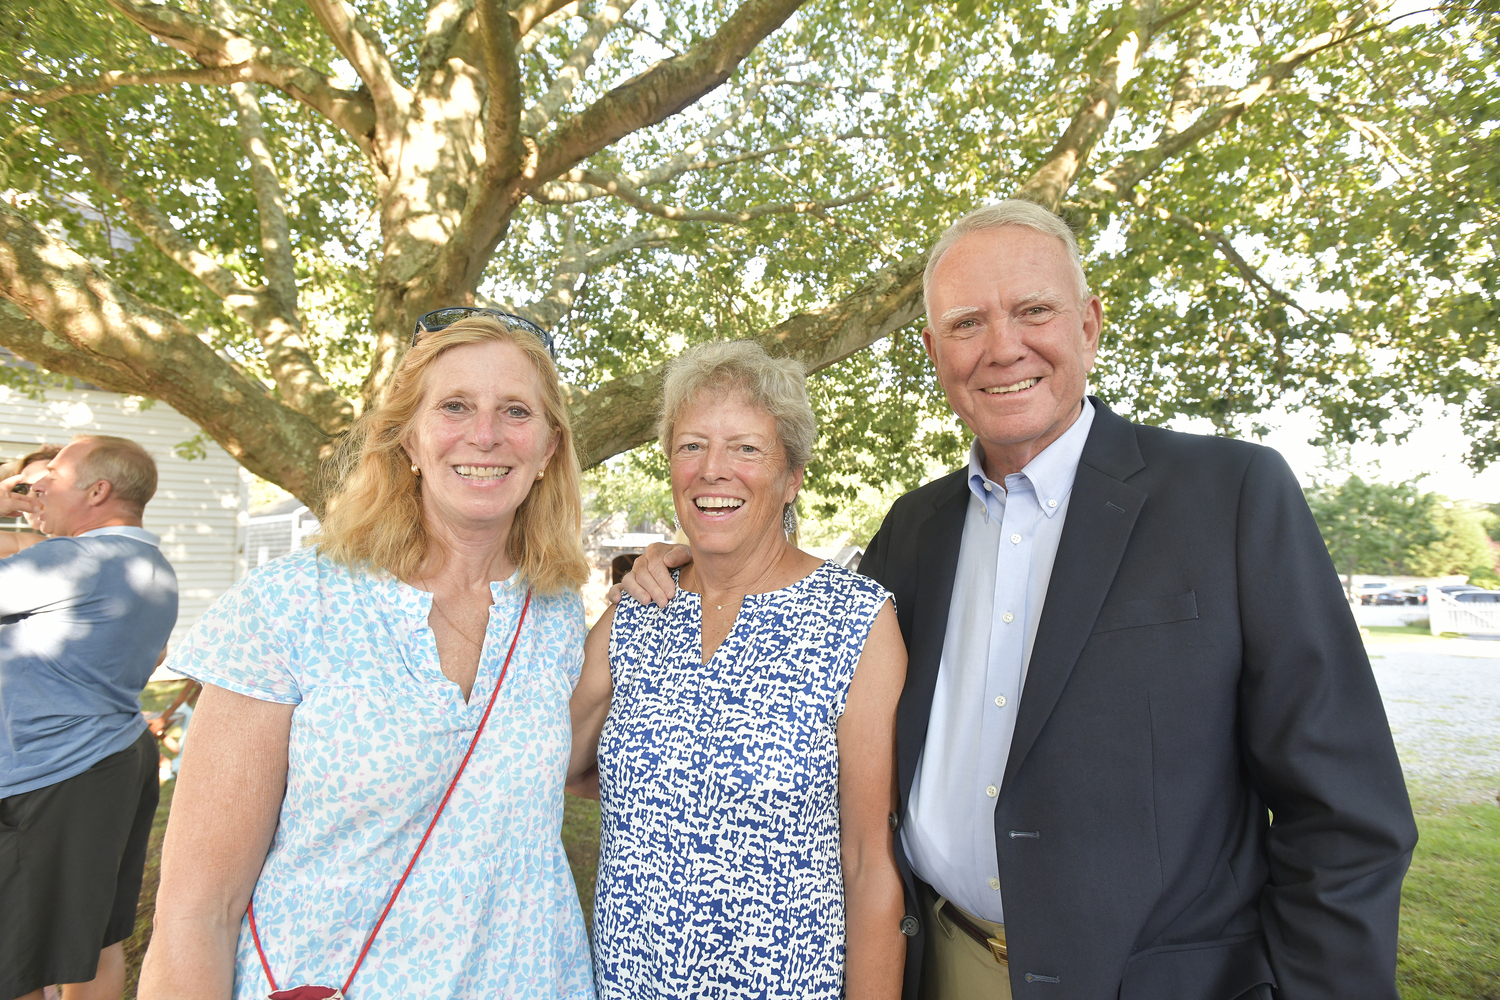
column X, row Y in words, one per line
column 650, row 579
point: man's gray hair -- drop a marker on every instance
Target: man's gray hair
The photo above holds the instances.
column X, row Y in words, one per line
column 777, row 385
column 126, row 466
column 1011, row 212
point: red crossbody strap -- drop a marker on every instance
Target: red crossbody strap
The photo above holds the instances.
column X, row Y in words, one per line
column 441, row 805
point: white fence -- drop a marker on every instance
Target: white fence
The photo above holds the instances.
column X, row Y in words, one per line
column 1389, row 615
column 271, row 535
column 1471, row 618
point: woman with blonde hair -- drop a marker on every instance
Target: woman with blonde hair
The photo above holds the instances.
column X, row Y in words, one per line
column 372, row 800
column 746, row 731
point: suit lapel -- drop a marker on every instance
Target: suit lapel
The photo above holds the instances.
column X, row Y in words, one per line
column 1101, row 515
column 939, row 537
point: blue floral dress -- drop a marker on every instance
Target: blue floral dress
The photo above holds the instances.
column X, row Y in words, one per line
column 719, row 869
column 490, row 909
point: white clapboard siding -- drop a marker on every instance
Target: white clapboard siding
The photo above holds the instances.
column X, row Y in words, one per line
column 200, row 505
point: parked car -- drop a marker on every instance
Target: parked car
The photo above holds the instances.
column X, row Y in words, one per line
column 1478, row 596
column 1366, row 591
column 1394, row 595
column 1454, row 589
column 1420, row 593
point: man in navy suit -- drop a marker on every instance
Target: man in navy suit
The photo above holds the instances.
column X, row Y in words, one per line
column 1141, row 751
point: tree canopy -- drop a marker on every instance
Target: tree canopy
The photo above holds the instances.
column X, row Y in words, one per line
column 240, row 207
column 1374, row 527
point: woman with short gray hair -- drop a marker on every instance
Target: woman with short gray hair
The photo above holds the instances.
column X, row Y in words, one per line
column 744, row 734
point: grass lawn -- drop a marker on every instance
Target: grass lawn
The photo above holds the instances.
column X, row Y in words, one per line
column 1398, row 633
column 1450, row 908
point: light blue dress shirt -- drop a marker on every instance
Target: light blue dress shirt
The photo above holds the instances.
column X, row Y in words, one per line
column 1005, row 560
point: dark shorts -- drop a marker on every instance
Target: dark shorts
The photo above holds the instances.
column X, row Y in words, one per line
column 71, row 859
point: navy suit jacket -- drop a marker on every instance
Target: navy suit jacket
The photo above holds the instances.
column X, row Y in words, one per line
column 1202, row 795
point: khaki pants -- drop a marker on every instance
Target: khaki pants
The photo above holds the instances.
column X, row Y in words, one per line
column 954, row 965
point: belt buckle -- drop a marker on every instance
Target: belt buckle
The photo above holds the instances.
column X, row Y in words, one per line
column 997, row 948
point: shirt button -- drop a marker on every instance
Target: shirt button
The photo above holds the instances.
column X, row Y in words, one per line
column 992, row 791
column 995, row 884
column 1015, row 539
column 1000, row 701
column 1007, row 618
column 1051, row 503
column 989, row 487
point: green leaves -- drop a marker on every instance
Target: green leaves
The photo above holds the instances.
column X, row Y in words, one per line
column 1335, row 248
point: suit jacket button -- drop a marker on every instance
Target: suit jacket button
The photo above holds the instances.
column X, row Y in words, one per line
column 909, row 925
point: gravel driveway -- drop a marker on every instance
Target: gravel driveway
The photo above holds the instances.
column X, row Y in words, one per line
column 1443, row 700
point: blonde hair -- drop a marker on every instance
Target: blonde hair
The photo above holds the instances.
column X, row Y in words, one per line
column 1011, row 212
column 374, row 517
column 777, row 385
column 126, row 466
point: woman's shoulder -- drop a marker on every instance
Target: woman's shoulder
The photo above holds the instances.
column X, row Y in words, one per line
column 301, row 568
column 838, row 581
column 292, row 583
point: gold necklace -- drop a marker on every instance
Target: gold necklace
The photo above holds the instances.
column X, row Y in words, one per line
column 478, row 644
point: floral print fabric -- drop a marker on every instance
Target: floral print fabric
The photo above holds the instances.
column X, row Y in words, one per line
column 719, row 868
column 490, row 909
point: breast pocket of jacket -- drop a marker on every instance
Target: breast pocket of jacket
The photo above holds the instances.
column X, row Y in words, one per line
column 1147, row 611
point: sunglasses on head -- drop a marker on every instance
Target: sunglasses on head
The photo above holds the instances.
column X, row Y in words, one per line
column 441, row 319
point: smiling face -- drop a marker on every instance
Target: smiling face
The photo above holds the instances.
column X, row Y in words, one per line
column 1011, row 341
column 480, row 437
column 729, row 476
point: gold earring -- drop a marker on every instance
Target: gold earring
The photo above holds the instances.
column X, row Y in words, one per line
column 539, row 474
column 416, row 471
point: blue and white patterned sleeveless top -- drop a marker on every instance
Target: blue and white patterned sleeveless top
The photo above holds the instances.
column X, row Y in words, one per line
column 719, row 870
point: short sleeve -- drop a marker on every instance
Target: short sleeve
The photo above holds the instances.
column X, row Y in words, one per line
column 574, row 631
column 52, row 572
column 243, row 643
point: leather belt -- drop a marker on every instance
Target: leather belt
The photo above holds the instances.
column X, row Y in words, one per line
column 963, row 923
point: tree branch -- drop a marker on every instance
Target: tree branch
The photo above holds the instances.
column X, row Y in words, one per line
column 83, row 324
column 540, row 30
column 1226, row 248
column 363, row 47
column 275, row 232
column 574, row 262
column 1377, row 137
column 503, row 149
column 1117, row 182
column 681, row 161
column 641, row 29
column 271, row 316
column 1051, row 181
column 104, row 82
column 1185, row 95
column 621, row 414
column 570, row 187
column 626, row 192
column 532, row 13
column 241, row 57
column 153, row 223
column 663, row 90
column 570, row 74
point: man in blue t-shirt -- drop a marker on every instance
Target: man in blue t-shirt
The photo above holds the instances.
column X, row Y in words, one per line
column 84, row 616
